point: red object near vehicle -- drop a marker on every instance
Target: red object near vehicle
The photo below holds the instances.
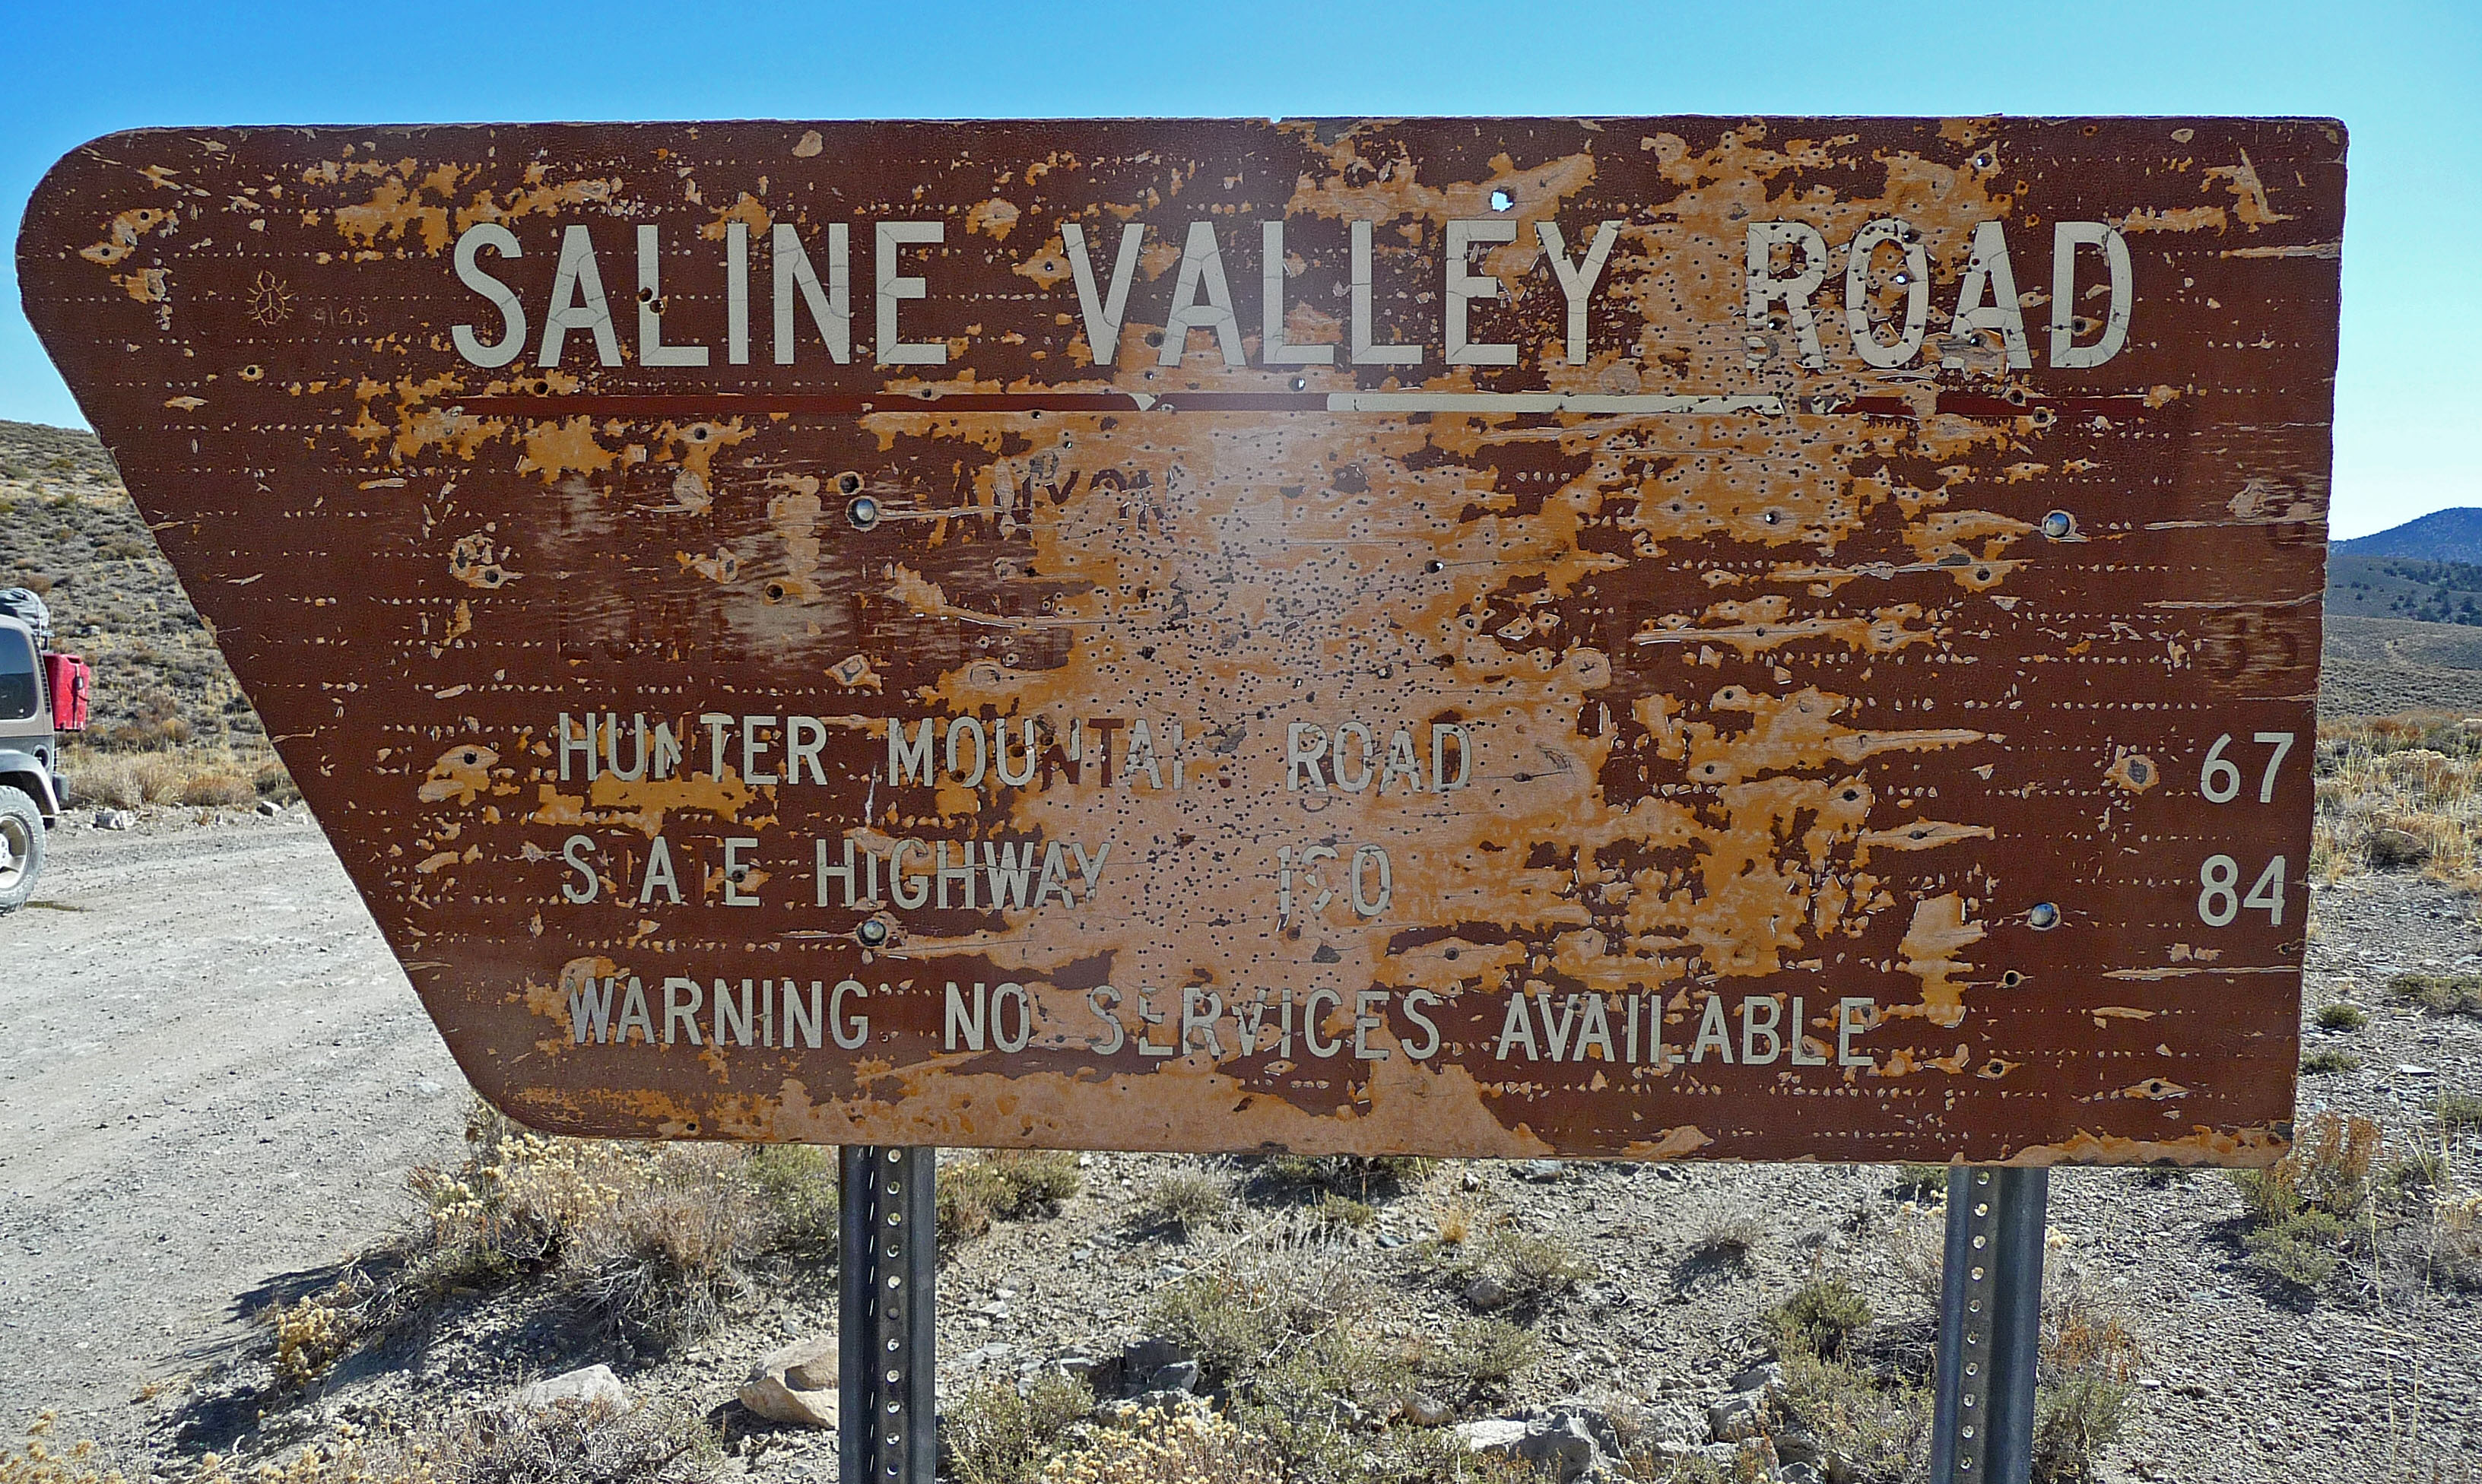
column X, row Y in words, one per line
column 72, row 683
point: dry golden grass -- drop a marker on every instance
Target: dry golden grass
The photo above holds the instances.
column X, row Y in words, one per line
column 2305, row 1203
column 1456, row 1216
column 2395, row 793
column 2452, row 1243
column 2327, row 1169
column 202, row 777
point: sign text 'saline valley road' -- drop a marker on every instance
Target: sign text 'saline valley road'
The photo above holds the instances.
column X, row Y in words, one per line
column 1655, row 637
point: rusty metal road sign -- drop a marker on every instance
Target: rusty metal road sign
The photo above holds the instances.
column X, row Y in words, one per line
column 1649, row 637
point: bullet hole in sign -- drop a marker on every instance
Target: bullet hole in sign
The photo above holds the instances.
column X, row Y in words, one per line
column 871, row 932
column 2042, row 916
column 1501, row 200
column 2011, row 980
column 864, row 513
column 1301, row 383
column 2059, row 525
column 848, row 483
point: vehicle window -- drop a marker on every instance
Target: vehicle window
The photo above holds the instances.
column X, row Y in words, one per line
column 18, row 695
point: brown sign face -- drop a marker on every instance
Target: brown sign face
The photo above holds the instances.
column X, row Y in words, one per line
column 1646, row 637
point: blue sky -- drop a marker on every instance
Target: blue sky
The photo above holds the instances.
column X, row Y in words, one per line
column 2405, row 77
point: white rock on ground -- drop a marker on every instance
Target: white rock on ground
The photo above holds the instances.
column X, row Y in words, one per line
column 1491, row 1435
column 589, row 1384
column 796, row 1385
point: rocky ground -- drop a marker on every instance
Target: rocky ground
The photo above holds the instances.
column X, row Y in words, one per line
column 215, row 1081
column 191, row 1131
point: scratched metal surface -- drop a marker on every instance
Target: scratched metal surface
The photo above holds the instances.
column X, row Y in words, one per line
column 1793, row 695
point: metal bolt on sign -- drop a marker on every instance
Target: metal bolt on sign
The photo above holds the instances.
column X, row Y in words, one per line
column 1990, row 1321
column 887, row 1316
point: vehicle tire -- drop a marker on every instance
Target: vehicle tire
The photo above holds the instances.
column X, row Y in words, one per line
column 21, row 847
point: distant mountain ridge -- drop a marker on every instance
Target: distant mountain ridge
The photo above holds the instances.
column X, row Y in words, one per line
column 2441, row 535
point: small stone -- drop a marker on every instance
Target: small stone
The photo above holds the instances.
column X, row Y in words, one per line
column 589, row 1384
column 1081, row 1367
column 2407, row 1069
column 1486, row 1292
column 1569, row 1441
column 114, row 819
column 796, row 1385
column 994, row 1310
column 1491, row 1435
column 1146, row 1366
column 1424, row 1410
column 268, row 809
column 1735, row 1418
column 1672, row 1420
column 1544, row 1171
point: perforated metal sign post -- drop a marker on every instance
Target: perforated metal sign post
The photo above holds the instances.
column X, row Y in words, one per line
column 1664, row 637
column 887, row 1316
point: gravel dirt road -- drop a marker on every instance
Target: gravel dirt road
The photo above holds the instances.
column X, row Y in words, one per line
column 214, row 1075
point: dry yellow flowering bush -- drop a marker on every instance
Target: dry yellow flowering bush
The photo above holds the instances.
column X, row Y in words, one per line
column 1183, row 1444
column 520, row 1195
column 655, row 1233
column 311, row 1335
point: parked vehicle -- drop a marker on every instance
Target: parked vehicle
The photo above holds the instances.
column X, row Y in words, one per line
column 43, row 694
